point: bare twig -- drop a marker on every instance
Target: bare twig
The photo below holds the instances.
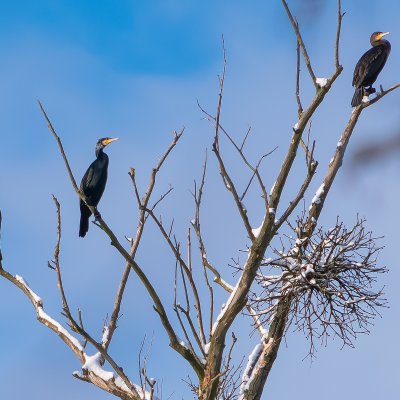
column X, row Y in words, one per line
column 158, row 306
column 60, row 146
column 188, row 272
column 239, row 149
column 142, row 217
column 312, row 167
column 379, row 95
column 331, row 283
column 179, row 309
column 296, row 29
column 228, row 182
column 73, row 324
column 339, row 26
column 299, row 106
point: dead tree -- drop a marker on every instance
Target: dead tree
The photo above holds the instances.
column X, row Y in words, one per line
column 322, row 282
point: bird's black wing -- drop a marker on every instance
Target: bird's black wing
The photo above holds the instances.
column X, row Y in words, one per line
column 369, row 65
column 87, row 180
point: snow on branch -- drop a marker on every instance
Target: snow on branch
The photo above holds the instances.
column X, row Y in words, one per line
column 75, row 345
column 250, row 367
column 93, row 366
column 224, row 309
column 92, row 370
column 321, row 82
column 331, row 281
column 317, row 197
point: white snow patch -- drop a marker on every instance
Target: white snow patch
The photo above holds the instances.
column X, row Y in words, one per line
column 300, row 241
column 122, row 385
column 250, row 368
column 41, row 314
column 321, row 82
column 92, row 364
column 272, row 189
column 45, row 317
column 271, row 210
column 221, row 314
column 307, row 271
column 104, row 337
column 365, row 99
column 206, row 347
column 145, row 396
column 256, row 231
column 317, row 197
column 296, row 126
column 182, row 343
column 35, row 297
column 350, row 302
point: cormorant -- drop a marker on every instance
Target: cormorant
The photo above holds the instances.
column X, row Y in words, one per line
column 93, row 183
column 369, row 66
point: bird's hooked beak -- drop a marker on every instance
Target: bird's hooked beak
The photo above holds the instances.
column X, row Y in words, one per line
column 109, row 140
column 382, row 34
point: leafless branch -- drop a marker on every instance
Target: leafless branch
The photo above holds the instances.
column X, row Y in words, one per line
column 339, row 27
column 144, row 379
column 298, row 69
column 323, row 285
column 72, row 322
column 311, row 169
column 228, row 182
column 179, row 309
column 331, row 282
column 296, row 29
column 240, row 150
column 379, row 95
column 92, row 370
column 142, row 204
column 175, row 249
column 60, row 146
column 158, row 306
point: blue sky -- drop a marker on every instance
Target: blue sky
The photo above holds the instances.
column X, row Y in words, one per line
column 135, row 70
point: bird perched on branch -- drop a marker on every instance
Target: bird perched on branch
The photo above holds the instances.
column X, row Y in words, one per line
column 369, row 66
column 93, row 184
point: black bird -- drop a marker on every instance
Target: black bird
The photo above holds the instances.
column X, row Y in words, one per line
column 369, row 66
column 93, row 183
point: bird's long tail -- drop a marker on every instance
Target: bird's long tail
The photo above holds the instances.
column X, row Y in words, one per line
column 84, row 223
column 358, row 96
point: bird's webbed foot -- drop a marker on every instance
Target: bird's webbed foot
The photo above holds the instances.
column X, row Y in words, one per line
column 96, row 214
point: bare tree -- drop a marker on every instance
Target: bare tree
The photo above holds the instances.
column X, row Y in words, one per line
column 321, row 281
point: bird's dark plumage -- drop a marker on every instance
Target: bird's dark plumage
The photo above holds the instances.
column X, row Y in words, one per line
column 369, row 66
column 93, row 183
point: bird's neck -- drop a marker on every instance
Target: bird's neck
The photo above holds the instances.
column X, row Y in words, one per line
column 100, row 153
column 381, row 42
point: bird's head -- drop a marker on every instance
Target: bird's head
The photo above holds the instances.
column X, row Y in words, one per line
column 376, row 36
column 101, row 143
